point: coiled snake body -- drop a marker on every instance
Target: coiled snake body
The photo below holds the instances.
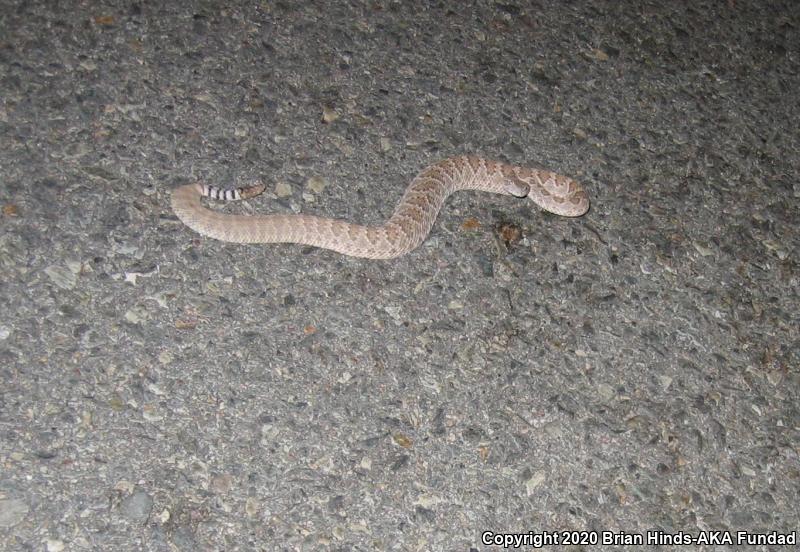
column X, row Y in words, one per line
column 408, row 226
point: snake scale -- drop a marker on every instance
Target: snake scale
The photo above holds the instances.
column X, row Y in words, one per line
column 408, row 226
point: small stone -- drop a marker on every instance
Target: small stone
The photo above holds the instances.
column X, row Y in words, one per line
column 637, row 423
column 116, row 403
column 605, row 391
column 777, row 248
column 221, row 484
column 156, row 390
column 395, row 312
column 61, row 276
column 702, row 249
column 251, row 506
column 471, row 224
column 402, row 440
column 124, row 486
column 427, row 500
column 316, row 184
column 136, row 315
column 86, row 419
column 715, row 397
column 12, row 511
column 534, row 481
column 325, row 464
column 329, row 115
column 774, row 377
column 54, row 545
column 282, row 189
column 126, row 248
column 345, row 377
column 104, row 19
column 137, row 507
column 502, row 272
column 151, row 413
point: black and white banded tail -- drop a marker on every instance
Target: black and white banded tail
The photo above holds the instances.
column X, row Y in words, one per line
column 234, row 194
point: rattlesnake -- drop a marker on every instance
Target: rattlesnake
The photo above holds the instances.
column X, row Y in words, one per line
column 406, row 228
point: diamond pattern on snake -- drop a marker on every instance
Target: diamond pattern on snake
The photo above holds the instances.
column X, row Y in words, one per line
column 408, row 226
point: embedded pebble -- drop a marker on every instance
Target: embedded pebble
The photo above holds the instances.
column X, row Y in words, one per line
column 54, row 545
column 534, row 482
column 282, row 189
column 62, row 276
column 137, row 507
column 12, row 511
column 329, row 115
column 316, row 184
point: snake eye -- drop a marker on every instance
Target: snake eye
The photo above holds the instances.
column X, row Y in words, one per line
column 516, row 187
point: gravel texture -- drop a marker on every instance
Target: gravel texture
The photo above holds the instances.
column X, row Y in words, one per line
column 636, row 370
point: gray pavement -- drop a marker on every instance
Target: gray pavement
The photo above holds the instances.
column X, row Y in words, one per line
column 630, row 374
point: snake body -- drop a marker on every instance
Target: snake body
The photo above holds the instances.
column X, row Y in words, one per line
column 408, row 226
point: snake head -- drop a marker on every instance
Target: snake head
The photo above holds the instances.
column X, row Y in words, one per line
column 515, row 187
